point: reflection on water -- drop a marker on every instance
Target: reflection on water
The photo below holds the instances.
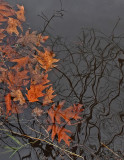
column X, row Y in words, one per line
column 101, row 15
column 90, row 72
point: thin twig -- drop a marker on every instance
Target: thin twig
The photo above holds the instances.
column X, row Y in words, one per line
column 43, row 140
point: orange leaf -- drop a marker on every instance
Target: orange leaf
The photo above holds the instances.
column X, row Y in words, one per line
column 5, row 11
column 36, row 90
column 20, row 13
column 17, row 94
column 2, row 35
column 21, row 62
column 48, row 96
column 12, row 26
column 70, row 113
column 15, row 79
column 8, row 103
column 31, row 39
column 61, row 132
column 46, row 59
column 8, row 51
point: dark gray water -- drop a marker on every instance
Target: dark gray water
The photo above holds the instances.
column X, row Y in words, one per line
column 101, row 15
column 90, row 72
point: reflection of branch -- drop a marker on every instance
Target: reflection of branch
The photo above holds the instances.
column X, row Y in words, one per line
column 111, row 150
column 57, row 14
column 43, row 140
column 93, row 68
column 70, row 83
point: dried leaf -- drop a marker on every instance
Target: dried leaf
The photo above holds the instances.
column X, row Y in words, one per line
column 21, row 62
column 8, row 104
column 2, row 35
column 46, row 59
column 61, row 132
column 71, row 112
column 12, row 26
column 20, row 13
column 48, row 96
column 37, row 111
column 31, row 39
column 35, row 90
column 8, row 51
column 15, row 79
column 18, row 108
column 5, row 11
column 17, row 94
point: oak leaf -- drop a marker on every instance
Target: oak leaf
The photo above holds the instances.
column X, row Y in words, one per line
column 48, row 96
column 2, row 35
column 61, row 132
column 21, row 62
column 15, row 79
column 35, row 72
column 35, row 90
column 8, row 51
column 72, row 112
column 17, row 94
column 31, row 39
column 5, row 11
column 20, row 13
column 12, row 26
column 37, row 111
column 46, row 59
column 8, row 104
column 3, row 75
column 18, row 108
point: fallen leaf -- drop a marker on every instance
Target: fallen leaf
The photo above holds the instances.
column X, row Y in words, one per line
column 20, row 13
column 61, row 132
column 15, row 79
column 72, row 112
column 37, row 111
column 46, row 59
column 48, row 96
column 18, row 108
column 8, row 51
column 5, row 11
column 35, row 90
column 21, row 63
column 12, row 26
column 31, row 39
column 8, row 104
column 17, row 94
column 2, row 35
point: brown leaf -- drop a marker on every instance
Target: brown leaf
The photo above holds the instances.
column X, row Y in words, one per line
column 21, row 62
column 8, row 51
column 17, row 94
column 12, row 26
column 61, row 132
column 2, row 35
column 46, row 59
column 8, row 104
column 35, row 90
column 37, row 111
column 5, row 11
column 31, row 39
column 20, row 13
column 18, row 108
column 71, row 112
column 48, row 96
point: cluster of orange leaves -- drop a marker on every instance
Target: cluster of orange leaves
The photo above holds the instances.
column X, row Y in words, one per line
column 24, row 72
